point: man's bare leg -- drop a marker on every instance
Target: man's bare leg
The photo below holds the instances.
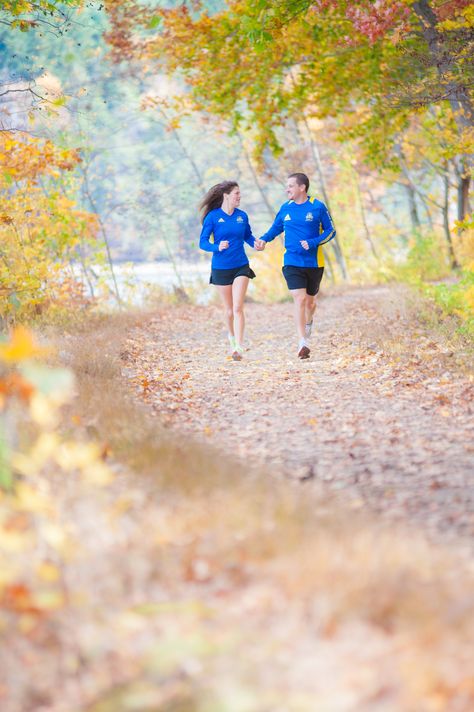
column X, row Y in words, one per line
column 310, row 308
column 299, row 301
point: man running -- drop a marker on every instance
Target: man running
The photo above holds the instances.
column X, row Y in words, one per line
column 307, row 225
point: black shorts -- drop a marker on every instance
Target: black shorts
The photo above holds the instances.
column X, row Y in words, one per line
column 227, row 276
column 308, row 278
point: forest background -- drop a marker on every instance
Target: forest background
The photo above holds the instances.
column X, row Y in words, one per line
column 115, row 118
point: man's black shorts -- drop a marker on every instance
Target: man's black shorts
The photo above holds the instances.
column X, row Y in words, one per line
column 308, row 278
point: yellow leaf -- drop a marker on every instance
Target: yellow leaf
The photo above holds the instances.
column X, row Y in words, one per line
column 12, row 543
column 30, row 500
column 21, row 347
column 74, row 455
column 49, row 600
column 98, row 474
column 56, row 537
column 48, row 572
column 43, row 450
column 42, row 411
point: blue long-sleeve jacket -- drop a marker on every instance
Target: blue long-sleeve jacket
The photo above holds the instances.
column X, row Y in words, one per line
column 308, row 221
column 235, row 228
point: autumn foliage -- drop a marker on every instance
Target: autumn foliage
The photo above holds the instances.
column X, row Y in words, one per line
column 266, row 62
column 34, row 542
column 385, row 86
column 176, row 534
column 24, row 15
column 42, row 229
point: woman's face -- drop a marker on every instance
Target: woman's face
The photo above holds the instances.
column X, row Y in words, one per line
column 234, row 197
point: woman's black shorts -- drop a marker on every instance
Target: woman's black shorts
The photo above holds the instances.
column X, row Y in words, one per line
column 227, row 276
column 308, row 278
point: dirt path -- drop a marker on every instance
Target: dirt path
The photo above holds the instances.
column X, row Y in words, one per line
column 381, row 412
column 184, row 584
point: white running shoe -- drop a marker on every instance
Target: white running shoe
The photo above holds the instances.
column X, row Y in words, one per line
column 303, row 349
column 308, row 329
column 238, row 352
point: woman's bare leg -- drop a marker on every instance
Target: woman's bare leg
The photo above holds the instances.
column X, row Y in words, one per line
column 225, row 293
column 239, row 290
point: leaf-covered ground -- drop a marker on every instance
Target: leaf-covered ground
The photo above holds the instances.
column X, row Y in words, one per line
column 275, row 561
column 382, row 411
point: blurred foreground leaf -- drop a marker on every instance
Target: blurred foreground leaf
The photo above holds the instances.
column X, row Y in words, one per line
column 49, row 381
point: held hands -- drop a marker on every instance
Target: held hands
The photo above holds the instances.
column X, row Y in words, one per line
column 223, row 245
column 259, row 245
column 304, row 244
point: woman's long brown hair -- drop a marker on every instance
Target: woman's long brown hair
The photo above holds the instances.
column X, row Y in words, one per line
column 215, row 195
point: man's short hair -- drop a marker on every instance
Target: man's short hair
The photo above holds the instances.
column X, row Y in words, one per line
column 301, row 179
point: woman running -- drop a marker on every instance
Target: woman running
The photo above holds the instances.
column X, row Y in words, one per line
column 230, row 269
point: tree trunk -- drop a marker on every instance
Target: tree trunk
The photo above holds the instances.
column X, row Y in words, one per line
column 427, row 211
column 271, row 210
column 176, row 135
column 330, row 268
column 463, row 196
column 447, row 232
column 409, row 181
column 368, row 236
column 336, row 246
column 457, row 92
column 105, row 238
column 171, row 256
column 411, row 197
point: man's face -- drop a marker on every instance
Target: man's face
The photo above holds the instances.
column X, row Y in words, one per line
column 293, row 190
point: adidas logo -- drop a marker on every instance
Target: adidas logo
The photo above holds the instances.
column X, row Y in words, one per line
column 287, row 217
column 309, row 217
column 240, row 219
column 221, row 220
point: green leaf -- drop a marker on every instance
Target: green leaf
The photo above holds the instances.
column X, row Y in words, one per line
column 154, row 22
column 6, row 479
